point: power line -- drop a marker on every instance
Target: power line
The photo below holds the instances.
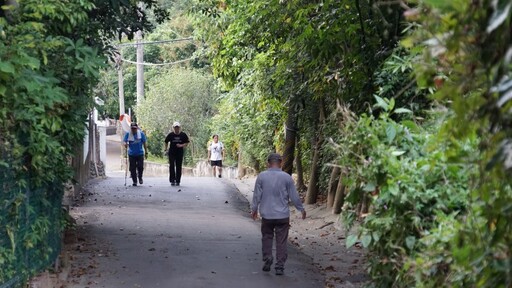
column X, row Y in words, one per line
column 155, row 42
column 156, row 64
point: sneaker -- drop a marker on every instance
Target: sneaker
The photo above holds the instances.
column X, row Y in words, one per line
column 134, row 184
column 173, row 184
column 266, row 266
column 279, row 271
column 220, row 176
column 140, row 181
column 177, row 183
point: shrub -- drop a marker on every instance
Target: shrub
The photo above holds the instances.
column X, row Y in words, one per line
column 410, row 185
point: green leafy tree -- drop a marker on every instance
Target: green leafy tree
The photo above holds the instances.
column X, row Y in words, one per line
column 179, row 95
column 311, row 54
column 249, row 126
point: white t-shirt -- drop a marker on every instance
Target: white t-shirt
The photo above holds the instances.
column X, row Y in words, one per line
column 216, row 151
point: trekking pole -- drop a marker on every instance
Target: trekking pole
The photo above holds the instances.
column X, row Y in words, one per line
column 125, row 165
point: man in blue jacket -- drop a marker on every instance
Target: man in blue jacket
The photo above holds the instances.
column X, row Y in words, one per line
column 135, row 140
column 273, row 190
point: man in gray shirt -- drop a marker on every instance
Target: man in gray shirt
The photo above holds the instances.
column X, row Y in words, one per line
column 273, row 190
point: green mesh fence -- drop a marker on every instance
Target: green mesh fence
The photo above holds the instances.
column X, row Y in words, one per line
column 30, row 228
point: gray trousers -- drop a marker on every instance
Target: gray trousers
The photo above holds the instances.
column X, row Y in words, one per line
column 280, row 228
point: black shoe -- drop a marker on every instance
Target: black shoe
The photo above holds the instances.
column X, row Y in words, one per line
column 266, row 266
column 220, row 176
column 173, row 184
column 134, row 184
column 279, row 271
column 140, row 181
column 177, row 183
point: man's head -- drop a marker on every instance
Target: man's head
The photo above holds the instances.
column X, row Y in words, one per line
column 274, row 160
column 134, row 126
column 176, row 126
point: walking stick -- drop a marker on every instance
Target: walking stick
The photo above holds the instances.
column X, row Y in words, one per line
column 125, row 166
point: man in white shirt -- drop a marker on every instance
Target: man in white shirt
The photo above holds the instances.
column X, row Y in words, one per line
column 215, row 155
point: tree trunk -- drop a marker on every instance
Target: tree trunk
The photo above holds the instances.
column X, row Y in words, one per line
column 333, row 185
column 300, row 170
column 290, row 139
column 339, row 199
column 313, row 189
column 312, row 193
column 364, row 205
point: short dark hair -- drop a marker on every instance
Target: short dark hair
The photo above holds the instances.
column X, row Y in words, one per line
column 274, row 157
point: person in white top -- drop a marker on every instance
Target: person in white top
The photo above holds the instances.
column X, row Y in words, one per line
column 215, row 155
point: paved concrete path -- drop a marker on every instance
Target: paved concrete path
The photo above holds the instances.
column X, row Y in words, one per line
column 195, row 235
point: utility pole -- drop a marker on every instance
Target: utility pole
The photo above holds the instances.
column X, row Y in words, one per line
column 119, row 62
column 140, row 67
column 140, row 61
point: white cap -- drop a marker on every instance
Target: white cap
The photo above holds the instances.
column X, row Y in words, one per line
column 176, row 124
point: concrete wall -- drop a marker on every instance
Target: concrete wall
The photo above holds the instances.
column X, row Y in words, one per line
column 202, row 169
column 102, row 143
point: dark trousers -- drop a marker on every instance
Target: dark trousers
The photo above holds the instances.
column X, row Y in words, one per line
column 279, row 228
column 175, row 164
column 136, row 166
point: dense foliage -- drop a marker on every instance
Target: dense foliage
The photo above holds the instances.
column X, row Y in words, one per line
column 474, row 251
column 461, row 238
column 300, row 54
column 427, row 183
column 43, row 105
column 403, row 173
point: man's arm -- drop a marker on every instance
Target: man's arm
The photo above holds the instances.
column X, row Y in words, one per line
column 144, row 140
column 294, row 197
column 166, row 143
column 256, row 198
column 185, row 142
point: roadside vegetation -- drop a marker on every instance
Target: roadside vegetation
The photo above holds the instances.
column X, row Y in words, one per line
column 51, row 53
